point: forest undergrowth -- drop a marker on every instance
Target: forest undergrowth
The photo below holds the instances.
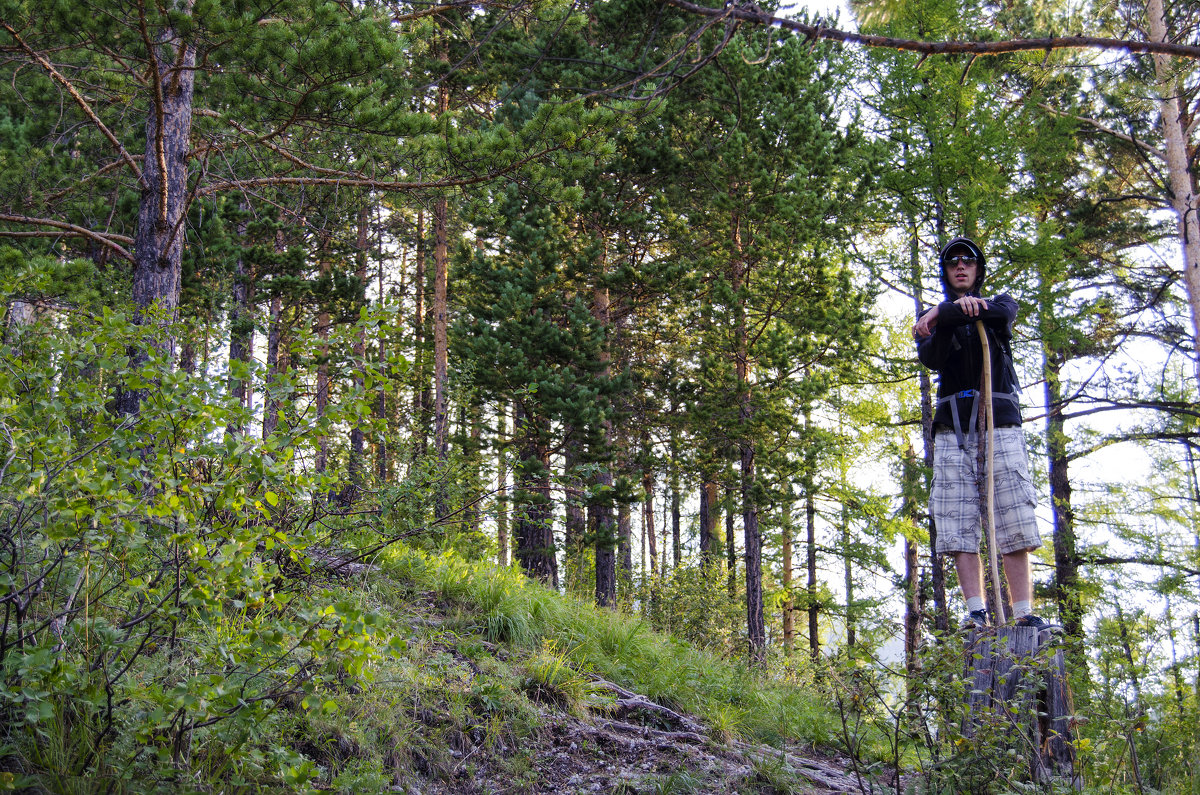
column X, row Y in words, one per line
column 189, row 609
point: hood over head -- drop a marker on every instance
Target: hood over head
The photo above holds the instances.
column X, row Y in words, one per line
column 969, row 246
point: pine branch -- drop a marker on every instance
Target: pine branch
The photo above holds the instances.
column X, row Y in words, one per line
column 79, row 100
column 1129, row 139
column 109, row 240
column 927, row 48
column 1113, row 560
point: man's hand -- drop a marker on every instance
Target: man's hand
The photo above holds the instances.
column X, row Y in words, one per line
column 971, row 306
column 926, row 324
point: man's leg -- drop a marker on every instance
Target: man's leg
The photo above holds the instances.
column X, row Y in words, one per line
column 970, row 574
column 1019, row 573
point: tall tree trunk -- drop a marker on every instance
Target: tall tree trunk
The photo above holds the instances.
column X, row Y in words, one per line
column 421, row 397
column 814, row 606
column 676, row 543
column 604, row 530
column 600, row 519
column 241, row 328
column 624, row 542
column 709, row 496
column 756, row 631
column 1180, row 162
column 648, row 517
column 848, row 579
column 1066, row 558
column 276, row 366
column 382, row 461
column 912, row 605
column 357, row 435
column 574, row 511
column 440, row 340
column 937, row 570
column 276, row 353
column 321, row 403
column 534, row 531
column 730, row 542
column 789, row 604
column 158, row 239
column 502, row 542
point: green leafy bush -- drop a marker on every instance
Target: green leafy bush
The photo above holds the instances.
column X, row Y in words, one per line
column 156, row 571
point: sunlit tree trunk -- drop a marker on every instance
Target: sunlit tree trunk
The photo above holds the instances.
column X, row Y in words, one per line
column 1180, row 164
column 648, row 517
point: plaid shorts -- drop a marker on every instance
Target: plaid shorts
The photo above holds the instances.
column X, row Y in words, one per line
column 954, row 500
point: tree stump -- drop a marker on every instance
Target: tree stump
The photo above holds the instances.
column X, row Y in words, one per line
column 1017, row 679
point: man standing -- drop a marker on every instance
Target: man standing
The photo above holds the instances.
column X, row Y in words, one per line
column 947, row 341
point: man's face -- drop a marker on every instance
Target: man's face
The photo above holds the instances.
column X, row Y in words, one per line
column 961, row 271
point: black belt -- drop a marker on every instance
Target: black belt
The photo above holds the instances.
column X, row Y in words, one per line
column 973, row 394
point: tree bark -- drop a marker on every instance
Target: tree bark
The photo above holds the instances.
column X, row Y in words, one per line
column 814, row 607
column 357, row 435
column 1066, row 557
column 321, row 402
column 502, row 542
column 421, row 396
column 709, row 509
column 440, row 340
column 912, row 594
column 241, row 328
column 158, row 240
column 625, row 542
column 276, row 355
column 941, row 610
column 756, row 631
column 848, row 579
column 605, row 532
column 382, row 459
column 730, row 542
column 1180, row 177
column 532, row 525
column 574, row 513
column 676, row 542
column 789, row 604
column 648, row 518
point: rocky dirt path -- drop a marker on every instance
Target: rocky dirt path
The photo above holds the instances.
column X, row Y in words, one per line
column 644, row 747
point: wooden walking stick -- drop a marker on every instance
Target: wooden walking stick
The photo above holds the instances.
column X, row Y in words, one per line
column 988, row 423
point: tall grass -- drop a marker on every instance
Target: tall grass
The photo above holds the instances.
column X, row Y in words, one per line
column 504, row 606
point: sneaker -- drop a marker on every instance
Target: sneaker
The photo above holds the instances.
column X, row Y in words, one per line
column 976, row 619
column 1037, row 622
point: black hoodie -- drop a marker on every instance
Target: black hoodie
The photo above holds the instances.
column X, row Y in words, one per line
column 955, row 352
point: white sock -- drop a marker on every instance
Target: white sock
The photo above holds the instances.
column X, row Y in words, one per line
column 1022, row 609
column 976, row 603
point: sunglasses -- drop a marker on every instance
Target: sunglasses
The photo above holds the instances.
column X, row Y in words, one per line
column 965, row 259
